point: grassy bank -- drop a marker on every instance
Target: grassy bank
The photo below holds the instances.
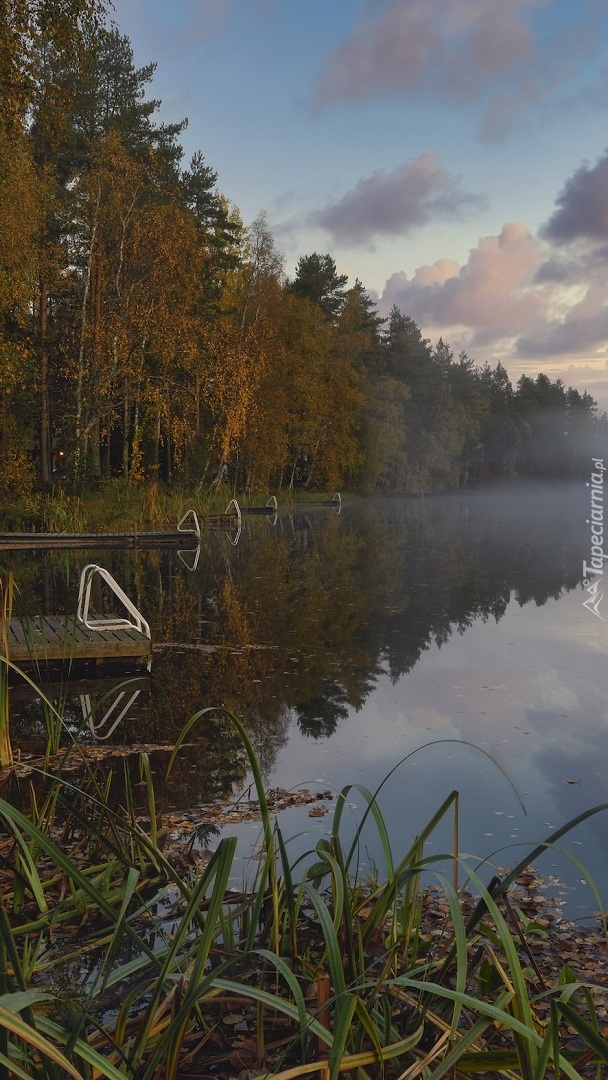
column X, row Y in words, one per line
column 112, row 506
column 116, row 504
column 121, row 958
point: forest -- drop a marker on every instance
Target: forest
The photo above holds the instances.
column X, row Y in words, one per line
column 147, row 332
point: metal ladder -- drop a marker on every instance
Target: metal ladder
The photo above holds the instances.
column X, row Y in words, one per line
column 136, row 622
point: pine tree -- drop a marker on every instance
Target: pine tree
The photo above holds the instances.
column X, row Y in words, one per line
column 318, row 280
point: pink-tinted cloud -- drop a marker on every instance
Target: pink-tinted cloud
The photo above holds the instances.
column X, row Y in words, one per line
column 513, row 300
column 409, row 42
column 394, row 203
column 493, row 293
column 584, row 327
column 482, row 51
column 582, row 206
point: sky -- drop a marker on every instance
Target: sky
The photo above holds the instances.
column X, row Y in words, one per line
column 452, row 155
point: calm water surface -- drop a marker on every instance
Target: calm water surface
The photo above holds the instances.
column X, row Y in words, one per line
column 348, row 641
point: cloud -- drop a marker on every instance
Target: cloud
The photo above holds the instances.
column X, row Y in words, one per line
column 394, row 203
column 489, row 297
column 558, row 270
column 515, row 301
column 582, row 206
column 175, row 29
column 396, row 50
column 584, row 327
column 529, row 301
column 578, row 229
column 460, row 51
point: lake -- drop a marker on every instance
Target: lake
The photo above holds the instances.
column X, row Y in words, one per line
column 347, row 641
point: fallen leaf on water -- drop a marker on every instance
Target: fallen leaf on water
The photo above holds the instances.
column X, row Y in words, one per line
column 233, row 1018
column 242, row 1059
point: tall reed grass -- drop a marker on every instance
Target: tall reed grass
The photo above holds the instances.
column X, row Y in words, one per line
column 115, row 505
column 312, row 970
column 6, row 608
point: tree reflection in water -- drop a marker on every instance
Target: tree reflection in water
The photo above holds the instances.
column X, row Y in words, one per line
column 296, row 624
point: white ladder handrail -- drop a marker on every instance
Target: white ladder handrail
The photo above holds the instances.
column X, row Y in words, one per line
column 197, row 527
column 197, row 556
column 273, row 502
column 237, row 509
column 137, row 621
column 239, row 519
column 87, row 713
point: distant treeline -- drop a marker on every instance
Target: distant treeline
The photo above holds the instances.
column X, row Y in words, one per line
column 146, row 332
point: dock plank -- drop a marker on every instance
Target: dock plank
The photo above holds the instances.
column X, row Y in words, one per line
column 18, row 631
column 56, row 541
column 50, row 629
column 62, row 638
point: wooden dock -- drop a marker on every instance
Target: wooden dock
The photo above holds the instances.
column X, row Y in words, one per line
column 98, row 541
column 60, row 638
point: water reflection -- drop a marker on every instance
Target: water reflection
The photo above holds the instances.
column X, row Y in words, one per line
column 324, row 628
column 116, row 708
column 116, row 720
column 190, row 558
column 302, row 620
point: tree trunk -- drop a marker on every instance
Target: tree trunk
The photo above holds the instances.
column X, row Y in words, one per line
column 293, row 474
column 95, row 449
column 314, row 457
column 104, row 453
column 46, row 467
column 135, row 443
column 4, row 399
column 81, row 397
column 156, row 441
column 125, row 434
column 96, row 320
column 169, row 462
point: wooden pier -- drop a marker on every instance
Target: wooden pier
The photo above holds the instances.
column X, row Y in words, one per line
column 56, row 541
column 40, row 638
column 98, row 541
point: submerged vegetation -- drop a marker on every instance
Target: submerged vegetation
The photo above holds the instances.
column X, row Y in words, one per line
column 122, row 957
column 146, row 332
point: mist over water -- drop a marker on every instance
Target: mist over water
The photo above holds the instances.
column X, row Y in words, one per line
column 347, row 641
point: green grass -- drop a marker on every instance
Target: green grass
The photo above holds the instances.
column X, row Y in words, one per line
column 6, row 609
column 116, row 504
column 330, row 974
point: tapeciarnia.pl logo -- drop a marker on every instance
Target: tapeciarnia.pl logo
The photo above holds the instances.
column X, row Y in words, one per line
column 593, row 571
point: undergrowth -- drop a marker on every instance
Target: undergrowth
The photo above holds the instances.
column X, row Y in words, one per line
column 116, row 504
column 118, row 959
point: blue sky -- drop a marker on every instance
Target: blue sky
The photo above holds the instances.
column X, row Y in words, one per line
column 451, row 154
